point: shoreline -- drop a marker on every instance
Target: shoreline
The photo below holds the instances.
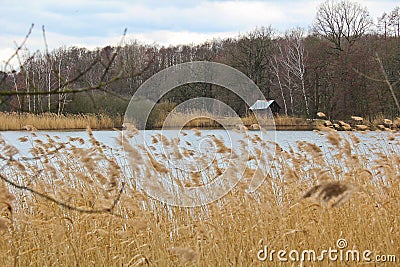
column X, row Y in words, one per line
column 282, row 129
column 101, row 122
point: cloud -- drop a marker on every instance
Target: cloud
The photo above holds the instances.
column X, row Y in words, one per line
column 93, row 23
column 376, row 8
column 166, row 38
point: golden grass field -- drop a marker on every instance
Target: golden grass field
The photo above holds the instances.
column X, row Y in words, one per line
column 202, row 119
column 51, row 121
column 97, row 217
column 196, row 118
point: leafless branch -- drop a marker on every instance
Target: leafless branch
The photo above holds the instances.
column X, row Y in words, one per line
column 385, row 80
column 66, row 205
column 389, row 84
column 344, row 20
column 62, row 88
column 7, row 63
column 367, row 76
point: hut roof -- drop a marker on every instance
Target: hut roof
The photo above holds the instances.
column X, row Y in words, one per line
column 262, row 104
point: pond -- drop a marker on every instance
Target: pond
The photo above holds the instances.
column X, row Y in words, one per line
column 203, row 141
column 200, row 166
column 285, row 139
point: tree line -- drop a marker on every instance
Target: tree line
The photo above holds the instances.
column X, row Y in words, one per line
column 345, row 64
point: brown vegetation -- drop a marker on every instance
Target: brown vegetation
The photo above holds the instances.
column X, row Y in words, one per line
column 136, row 230
column 50, row 121
column 195, row 119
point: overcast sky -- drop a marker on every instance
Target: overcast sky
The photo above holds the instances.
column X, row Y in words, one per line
column 96, row 23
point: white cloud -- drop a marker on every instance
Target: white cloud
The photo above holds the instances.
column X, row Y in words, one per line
column 94, row 23
column 5, row 54
column 376, row 8
column 167, row 38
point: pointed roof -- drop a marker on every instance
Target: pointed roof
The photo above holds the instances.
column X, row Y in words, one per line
column 262, row 104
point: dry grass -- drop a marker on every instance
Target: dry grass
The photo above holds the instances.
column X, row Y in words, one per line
column 195, row 118
column 283, row 122
column 50, row 121
column 202, row 119
column 299, row 206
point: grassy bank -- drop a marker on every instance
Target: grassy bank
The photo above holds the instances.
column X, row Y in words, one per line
column 131, row 229
column 197, row 119
column 51, row 121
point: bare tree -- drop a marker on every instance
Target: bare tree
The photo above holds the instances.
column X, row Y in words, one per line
column 394, row 21
column 289, row 68
column 295, row 62
column 383, row 25
column 389, row 23
column 340, row 22
column 276, row 70
column 391, row 83
column 55, row 82
column 251, row 54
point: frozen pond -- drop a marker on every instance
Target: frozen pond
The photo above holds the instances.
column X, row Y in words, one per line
column 285, row 139
column 215, row 159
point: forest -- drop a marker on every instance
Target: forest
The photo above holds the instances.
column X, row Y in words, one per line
column 347, row 63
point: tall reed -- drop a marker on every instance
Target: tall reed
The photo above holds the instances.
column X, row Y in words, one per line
column 139, row 231
column 51, row 121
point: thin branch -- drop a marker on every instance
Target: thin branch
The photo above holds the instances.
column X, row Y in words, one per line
column 56, row 92
column 46, row 46
column 367, row 76
column 80, row 74
column 389, row 84
column 99, row 86
column 106, row 70
column 19, row 47
column 16, row 54
column 64, row 204
column 110, row 92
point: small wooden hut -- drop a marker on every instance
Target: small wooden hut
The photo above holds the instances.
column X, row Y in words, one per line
column 261, row 107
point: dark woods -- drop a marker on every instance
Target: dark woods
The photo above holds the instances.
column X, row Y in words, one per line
column 345, row 65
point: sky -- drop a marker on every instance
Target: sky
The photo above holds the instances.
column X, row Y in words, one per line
column 97, row 23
